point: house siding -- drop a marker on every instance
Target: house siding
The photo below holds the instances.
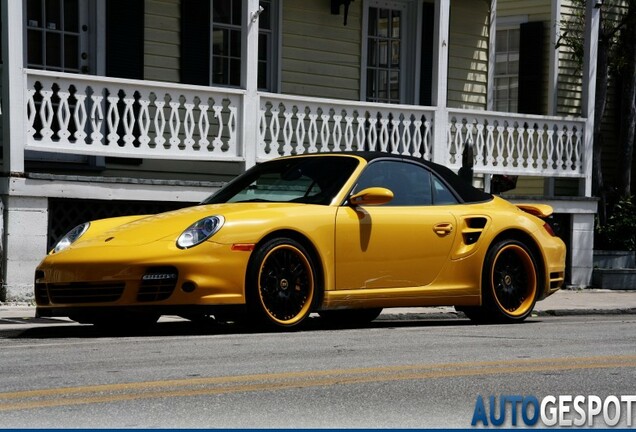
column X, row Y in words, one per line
column 321, row 56
column 531, row 11
column 161, row 63
column 570, row 92
column 161, row 40
column 535, row 10
column 468, row 55
column 170, row 170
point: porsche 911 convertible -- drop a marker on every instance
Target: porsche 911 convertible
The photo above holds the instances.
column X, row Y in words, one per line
column 343, row 235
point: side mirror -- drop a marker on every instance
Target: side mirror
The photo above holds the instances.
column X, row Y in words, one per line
column 371, row 196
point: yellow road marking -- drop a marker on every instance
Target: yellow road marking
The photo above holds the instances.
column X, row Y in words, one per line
column 67, row 396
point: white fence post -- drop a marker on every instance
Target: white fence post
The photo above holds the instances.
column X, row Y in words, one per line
column 440, row 79
column 13, row 112
column 441, row 144
column 249, row 81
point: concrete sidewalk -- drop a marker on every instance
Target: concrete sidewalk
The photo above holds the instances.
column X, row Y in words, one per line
column 564, row 302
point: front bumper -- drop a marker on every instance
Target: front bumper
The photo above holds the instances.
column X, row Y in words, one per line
column 144, row 277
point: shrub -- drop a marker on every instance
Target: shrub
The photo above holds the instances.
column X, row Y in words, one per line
column 619, row 232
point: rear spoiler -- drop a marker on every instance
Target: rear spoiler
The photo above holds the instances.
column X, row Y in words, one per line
column 539, row 210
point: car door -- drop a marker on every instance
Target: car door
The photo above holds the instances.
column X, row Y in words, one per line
column 403, row 243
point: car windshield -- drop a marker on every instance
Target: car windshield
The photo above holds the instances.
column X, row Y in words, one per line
column 308, row 180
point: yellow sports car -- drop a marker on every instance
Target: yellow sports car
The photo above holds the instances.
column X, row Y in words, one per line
column 340, row 234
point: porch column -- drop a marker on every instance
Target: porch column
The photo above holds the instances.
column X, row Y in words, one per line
column 26, row 223
column 13, row 108
column 592, row 21
column 553, row 74
column 440, row 81
column 553, row 77
column 249, row 81
column 492, row 57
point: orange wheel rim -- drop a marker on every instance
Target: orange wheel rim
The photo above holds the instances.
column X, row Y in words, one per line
column 513, row 280
column 286, row 285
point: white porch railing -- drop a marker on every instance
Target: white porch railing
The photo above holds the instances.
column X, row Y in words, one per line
column 295, row 125
column 82, row 114
column 517, row 143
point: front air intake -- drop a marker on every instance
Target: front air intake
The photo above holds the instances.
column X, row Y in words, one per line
column 157, row 284
column 84, row 292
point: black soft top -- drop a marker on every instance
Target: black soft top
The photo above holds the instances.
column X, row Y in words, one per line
column 466, row 192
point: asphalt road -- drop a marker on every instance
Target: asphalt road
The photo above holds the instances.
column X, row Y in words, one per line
column 398, row 374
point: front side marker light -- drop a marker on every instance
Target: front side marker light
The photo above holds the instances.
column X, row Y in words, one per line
column 243, row 247
column 200, row 231
column 71, row 237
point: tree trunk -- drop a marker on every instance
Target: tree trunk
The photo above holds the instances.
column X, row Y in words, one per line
column 628, row 112
column 602, row 71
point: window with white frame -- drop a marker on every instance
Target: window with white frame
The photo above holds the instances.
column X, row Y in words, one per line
column 397, row 51
column 211, row 49
column 226, row 42
column 506, row 95
column 384, row 43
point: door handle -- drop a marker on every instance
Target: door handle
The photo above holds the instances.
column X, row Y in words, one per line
column 443, row 229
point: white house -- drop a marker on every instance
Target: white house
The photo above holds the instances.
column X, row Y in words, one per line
column 122, row 106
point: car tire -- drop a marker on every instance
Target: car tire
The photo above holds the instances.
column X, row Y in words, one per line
column 349, row 317
column 283, row 286
column 510, row 284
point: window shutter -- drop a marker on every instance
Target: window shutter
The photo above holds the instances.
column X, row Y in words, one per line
column 531, row 64
column 125, row 38
column 195, row 42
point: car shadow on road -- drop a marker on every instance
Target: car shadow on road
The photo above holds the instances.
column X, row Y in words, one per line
column 69, row 330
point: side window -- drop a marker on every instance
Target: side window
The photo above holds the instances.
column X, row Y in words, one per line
column 410, row 183
column 441, row 194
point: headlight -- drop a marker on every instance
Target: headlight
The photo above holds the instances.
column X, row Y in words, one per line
column 200, row 231
column 71, row 237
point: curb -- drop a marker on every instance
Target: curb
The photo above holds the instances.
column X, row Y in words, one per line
column 408, row 316
column 571, row 312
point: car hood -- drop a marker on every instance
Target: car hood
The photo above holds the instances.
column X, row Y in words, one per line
column 168, row 226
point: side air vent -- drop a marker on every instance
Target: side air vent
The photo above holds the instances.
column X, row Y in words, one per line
column 556, row 280
column 473, row 230
column 476, row 222
column 471, row 237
